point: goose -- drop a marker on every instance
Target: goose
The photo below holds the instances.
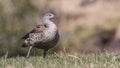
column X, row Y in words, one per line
column 44, row 36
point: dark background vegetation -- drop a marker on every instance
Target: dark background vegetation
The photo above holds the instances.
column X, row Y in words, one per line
column 85, row 26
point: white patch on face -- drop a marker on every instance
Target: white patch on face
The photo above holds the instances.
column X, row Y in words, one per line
column 49, row 16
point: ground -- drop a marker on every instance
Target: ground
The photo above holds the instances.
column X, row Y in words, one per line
column 66, row 61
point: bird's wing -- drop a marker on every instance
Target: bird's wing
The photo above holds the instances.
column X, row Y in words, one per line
column 35, row 30
column 27, row 35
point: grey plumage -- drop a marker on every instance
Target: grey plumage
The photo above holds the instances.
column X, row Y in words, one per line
column 43, row 36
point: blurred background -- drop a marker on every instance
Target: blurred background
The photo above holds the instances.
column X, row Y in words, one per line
column 85, row 26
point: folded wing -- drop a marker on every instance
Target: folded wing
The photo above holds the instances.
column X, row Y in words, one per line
column 39, row 29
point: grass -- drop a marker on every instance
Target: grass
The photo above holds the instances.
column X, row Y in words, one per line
column 58, row 61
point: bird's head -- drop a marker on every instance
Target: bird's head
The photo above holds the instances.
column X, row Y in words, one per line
column 49, row 16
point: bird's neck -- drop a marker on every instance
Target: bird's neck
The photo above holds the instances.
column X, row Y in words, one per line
column 50, row 25
column 51, row 29
column 47, row 22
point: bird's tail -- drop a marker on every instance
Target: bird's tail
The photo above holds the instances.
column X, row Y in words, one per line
column 24, row 45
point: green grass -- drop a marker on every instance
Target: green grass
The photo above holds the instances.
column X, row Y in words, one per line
column 59, row 61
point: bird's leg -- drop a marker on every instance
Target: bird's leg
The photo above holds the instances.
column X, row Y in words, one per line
column 29, row 51
column 44, row 54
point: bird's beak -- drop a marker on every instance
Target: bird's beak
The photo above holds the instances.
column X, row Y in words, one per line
column 55, row 17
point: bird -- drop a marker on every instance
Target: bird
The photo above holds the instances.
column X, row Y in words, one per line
column 44, row 36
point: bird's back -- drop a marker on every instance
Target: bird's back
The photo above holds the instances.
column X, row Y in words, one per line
column 37, row 29
column 36, row 35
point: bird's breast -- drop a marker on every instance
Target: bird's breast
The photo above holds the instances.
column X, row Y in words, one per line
column 51, row 32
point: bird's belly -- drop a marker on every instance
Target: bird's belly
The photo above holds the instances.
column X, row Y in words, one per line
column 45, row 45
column 49, row 43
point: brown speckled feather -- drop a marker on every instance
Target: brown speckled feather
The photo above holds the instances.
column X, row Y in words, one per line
column 37, row 29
